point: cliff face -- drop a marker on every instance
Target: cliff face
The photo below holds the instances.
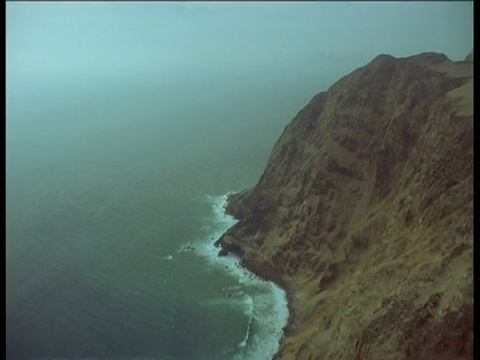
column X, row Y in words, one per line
column 364, row 214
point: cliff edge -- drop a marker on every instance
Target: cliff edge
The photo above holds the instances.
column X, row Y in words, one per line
column 364, row 214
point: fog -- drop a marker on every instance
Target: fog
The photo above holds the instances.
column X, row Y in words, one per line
column 106, row 76
column 123, row 117
column 191, row 79
column 100, row 39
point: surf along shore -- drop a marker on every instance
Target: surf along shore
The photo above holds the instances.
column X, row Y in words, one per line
column 264, row 301
column 264, row 272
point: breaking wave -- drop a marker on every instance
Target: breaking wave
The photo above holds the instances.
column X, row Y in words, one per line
column 263, row 302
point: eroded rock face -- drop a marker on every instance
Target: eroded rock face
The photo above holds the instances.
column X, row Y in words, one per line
column 364, row 214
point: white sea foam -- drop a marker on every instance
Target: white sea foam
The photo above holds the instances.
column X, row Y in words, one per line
column 249, row 310
column 264, row 303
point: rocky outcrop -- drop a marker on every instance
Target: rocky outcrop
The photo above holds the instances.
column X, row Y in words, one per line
column 364, row 214
column 469, row 57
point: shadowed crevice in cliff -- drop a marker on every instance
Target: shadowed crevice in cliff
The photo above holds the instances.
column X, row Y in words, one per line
column 364, row 212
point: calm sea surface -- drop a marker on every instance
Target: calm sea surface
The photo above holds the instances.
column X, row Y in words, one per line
column 114, row 195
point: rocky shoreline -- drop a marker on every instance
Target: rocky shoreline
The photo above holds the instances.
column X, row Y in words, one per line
column 364, row 215
column 267, row 274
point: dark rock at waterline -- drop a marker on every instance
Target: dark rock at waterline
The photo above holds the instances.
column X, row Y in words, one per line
column 228, row 247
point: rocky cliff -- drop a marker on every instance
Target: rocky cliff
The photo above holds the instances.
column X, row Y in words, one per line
column 364, row 214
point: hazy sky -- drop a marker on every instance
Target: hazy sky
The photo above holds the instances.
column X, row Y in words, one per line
column 60, row 40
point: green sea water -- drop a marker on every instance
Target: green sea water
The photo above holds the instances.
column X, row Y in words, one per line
column 106, row 182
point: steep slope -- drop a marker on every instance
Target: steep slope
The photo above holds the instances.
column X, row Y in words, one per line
column 364, row 214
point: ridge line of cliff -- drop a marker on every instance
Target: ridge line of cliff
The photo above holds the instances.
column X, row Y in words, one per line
column 364, row 214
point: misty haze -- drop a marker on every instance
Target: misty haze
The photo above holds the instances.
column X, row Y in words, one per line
column 128, row 124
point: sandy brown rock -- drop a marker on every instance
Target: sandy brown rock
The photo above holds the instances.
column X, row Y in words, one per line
column 364, row 214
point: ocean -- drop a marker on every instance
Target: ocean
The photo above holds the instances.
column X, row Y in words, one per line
column 114, row 197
